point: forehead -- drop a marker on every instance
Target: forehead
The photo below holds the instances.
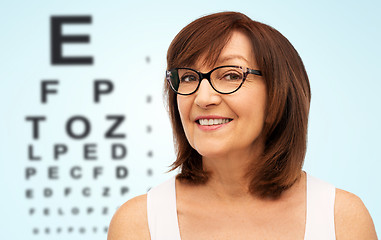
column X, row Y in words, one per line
column 237, row 51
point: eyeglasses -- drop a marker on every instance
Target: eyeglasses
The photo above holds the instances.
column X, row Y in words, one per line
column 223, row 79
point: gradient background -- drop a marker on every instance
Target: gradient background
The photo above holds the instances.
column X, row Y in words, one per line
column 339, row 42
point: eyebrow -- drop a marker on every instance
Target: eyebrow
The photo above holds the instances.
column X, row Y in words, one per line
column 230, row 57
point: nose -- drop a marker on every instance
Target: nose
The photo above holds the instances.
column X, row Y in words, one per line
column 206, row 96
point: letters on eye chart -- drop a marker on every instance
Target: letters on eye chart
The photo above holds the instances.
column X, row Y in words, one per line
column 69, row 156
column 76, row 127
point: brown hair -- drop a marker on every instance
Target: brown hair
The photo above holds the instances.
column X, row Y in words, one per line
column 285, row 131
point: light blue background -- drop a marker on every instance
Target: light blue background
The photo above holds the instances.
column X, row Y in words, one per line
column 339, row 42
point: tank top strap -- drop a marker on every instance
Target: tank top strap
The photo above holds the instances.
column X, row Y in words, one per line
column 162, row 211
column 320, row 222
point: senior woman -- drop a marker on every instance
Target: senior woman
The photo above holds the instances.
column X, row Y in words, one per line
column 238, row 98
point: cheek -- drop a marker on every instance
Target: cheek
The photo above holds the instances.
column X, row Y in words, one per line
column 184, row 106
column 180, row 107
column 253, row 104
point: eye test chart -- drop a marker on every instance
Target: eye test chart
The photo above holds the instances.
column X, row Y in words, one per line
column 86, row 129
column 83, row 121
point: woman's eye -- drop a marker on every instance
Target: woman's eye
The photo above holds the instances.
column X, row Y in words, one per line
column 188, row 78
column 232, row 77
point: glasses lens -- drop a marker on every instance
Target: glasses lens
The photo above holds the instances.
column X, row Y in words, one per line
column 227, row 79
column 183, row 81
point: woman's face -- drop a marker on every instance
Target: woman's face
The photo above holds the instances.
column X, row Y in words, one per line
column 245, row 109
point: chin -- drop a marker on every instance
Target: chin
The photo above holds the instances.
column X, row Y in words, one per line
column 212, row 152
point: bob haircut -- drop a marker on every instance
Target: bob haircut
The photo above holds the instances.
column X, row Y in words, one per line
column 288, row 91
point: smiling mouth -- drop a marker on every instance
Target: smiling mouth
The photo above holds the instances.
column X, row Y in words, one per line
column 210, row 122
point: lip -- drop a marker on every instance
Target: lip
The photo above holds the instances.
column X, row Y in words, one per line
column 210, row 117
column 213, row 127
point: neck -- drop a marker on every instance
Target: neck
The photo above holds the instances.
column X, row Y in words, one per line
column 227, row 180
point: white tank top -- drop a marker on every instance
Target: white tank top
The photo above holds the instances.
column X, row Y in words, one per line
column 163, row 221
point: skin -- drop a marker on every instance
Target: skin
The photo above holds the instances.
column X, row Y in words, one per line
column 228, row 211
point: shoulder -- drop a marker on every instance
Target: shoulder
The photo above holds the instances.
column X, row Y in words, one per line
column 130, row 220
column 352, row 219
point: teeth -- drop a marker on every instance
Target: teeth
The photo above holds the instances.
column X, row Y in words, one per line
column 209, row 122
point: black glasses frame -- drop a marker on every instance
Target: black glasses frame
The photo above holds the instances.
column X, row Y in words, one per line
column 207, row 77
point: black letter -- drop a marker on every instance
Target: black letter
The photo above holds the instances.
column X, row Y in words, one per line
column 67, row 191
column 29, row 172
column 106, row 191
column 105, row 211
column 121, row 172
column 90, row 210
column 29, row 193
column 88, row 149
column 31, row 211
column 72, row 172
column 98, row 91
column 97, row 171
column 52, row 173
column 75, row 211
column 122, row 154
column 35, row 121
column 86, row 192
column 70, row 131
column 46, row 212
column 123, row 190
column 110, row 133
column 48, row 192
column 59, row 149
column 30, row 154
column 45, row 90
column 57, row 40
